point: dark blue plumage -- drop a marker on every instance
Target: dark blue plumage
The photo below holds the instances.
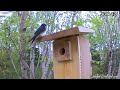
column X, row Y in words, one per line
column 39, row 31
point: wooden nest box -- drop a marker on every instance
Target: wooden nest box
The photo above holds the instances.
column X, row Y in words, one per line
column 71, row 52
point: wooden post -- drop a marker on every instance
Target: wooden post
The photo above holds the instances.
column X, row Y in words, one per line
column 71, row 52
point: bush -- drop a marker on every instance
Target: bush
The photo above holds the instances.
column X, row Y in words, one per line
column 97, row 67
column 101, row 76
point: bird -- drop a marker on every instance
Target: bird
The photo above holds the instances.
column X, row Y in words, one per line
column 38, row 32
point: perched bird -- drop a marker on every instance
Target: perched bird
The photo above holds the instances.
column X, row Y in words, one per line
column 39, row 31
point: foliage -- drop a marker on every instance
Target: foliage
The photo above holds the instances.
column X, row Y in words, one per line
column 97, row 67
column 101, row 76
column 104, row 42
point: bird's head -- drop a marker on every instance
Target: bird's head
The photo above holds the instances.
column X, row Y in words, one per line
column 44, row 25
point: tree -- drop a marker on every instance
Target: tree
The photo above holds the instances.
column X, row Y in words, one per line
column 118, row 75
column 22, row 46
column 32, row 53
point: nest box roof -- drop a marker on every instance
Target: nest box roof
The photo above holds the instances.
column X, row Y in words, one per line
column 65, row 33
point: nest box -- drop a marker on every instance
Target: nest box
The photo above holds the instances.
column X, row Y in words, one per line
column 71, row 53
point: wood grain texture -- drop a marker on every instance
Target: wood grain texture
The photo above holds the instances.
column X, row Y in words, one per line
column 80, row 65
column 59, row 45
column 85, row 57
column 65, row 33
column 67, row 69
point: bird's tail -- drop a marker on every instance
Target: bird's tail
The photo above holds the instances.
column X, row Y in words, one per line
column 32, row 39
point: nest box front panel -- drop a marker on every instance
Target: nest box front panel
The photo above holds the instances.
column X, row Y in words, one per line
column 66, row 61
column 62, row 49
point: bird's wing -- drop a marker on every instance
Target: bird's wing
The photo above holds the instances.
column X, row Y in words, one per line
column 38, row 30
